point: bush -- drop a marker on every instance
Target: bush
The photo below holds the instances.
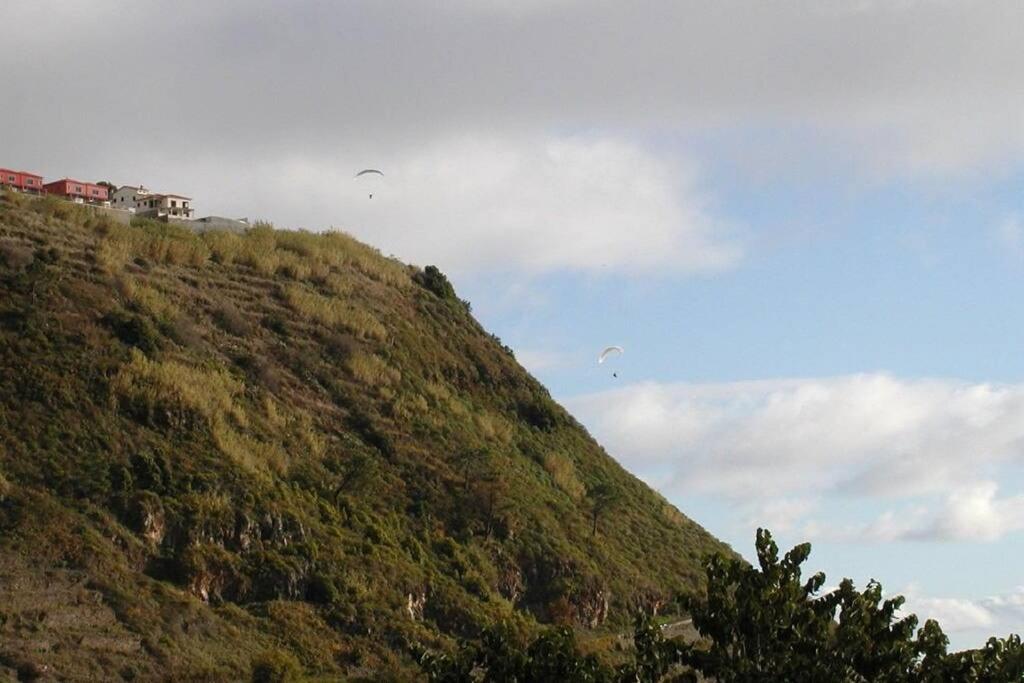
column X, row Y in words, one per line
column 275, row 666
column 230, row 319
column 15, row 256
column 433, row 280
column 134, row 330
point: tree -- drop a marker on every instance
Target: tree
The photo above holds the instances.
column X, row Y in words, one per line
column 360, row 475
column 488, row 496
column 603, row 497
column 471, row 462
column 759, row 624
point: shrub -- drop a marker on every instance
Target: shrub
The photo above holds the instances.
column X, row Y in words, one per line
column 433, row 280
column 275, row 666
column 134, row 330
column 15, row 256
column 230, row 319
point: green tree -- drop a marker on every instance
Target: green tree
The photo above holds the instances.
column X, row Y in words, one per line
column 471, row 464
column 603, row 498
column 758, row 624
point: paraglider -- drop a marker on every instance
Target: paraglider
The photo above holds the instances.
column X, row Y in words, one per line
column 369, row 171
column 610, row 352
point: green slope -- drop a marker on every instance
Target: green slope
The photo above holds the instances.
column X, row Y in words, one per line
column 217, row 446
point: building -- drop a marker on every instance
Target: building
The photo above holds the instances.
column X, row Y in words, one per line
column 22, row 181
column 129, row 197
column 78, row 191
column 165, row 206
column 151, row 204
column 208, row 223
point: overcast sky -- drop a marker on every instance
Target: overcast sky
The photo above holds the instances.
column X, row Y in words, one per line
column 803, row 221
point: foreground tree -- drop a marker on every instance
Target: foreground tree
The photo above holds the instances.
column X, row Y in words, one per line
column 757, row 624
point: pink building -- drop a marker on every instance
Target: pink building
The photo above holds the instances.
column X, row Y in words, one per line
column 23, row 181
column 78, row 191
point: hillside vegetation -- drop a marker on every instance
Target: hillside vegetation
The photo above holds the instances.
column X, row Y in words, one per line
column 283, row 450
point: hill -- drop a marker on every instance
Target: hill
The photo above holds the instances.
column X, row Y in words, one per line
column 219, row 448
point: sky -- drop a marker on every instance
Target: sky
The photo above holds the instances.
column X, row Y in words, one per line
column 802, row 220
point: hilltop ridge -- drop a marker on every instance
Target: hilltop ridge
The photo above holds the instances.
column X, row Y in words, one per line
column 217, row 446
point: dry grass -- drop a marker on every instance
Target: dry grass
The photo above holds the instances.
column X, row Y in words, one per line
column 149, row 299
column 253, row 454
column 174, row 386
column 563, row 472
column 371, row 370
column 304, row 256
column 334, row 312
column 157, row 243
column 494, row 428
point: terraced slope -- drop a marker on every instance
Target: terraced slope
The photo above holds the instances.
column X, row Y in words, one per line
column 219, row 448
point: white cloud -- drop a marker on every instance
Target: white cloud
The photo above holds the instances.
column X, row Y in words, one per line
column 537, row 360
column 997, row 615
column 953, row 614
column 968, row 512
column 780, row 515
column 868, row 435
column 491, row 203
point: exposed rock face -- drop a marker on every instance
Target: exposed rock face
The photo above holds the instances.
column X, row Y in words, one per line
column 149, row 519
column 415, row 605
column 511, row 584
column 591, row 607
column 582, row 599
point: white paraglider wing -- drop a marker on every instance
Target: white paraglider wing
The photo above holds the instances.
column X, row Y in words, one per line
column 609, row 352
column 370, row 178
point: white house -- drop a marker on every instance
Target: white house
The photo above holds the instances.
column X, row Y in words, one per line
column 165, row 206
column 145, row 202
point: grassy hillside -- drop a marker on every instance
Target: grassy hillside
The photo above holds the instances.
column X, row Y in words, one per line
column 219, row 448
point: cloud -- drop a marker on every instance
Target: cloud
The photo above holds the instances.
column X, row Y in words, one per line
column 968, row 512
column 918, row 86
column 479, row 202
column 867, row 436
column 537, row 360
column 997, row 615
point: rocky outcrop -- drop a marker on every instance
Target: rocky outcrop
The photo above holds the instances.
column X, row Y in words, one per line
column 415, row 605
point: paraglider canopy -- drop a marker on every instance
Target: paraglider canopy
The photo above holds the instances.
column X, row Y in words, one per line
column 371, row 172
column 609, row 352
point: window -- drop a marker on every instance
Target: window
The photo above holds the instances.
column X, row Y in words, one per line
column 174, row 203
column 11, row 178
column 29, row 181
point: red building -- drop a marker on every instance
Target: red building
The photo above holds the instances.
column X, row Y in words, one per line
column 21, row 180
column 76, row 190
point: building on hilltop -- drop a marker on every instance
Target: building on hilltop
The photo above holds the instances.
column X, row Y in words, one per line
column 208, row 223
column 166, row 206
column 22, row 181
column 151, row 204
column 78, row 191
column 129, row 197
